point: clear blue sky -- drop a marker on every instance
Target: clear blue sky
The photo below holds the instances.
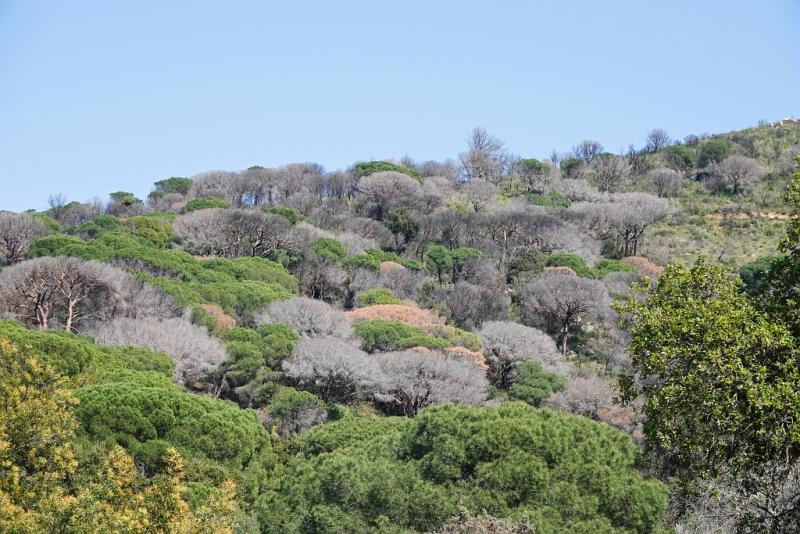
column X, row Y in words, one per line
column 104, row 96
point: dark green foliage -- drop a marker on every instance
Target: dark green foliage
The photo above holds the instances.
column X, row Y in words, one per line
column 438, row 260
column 174, row 184
column 329, row 249
column 252, row 268
column 568, row 473
column 205, row 203
column 606, row 266
column 240, row 286
column 252, row 356
column 755, row 274
column 372, row 259
column 553, row 200
column 573, row 261
column 216, row 438
column 697, row 340
column 371, row 167
column 378, row 295
column 570, row 167
column 532, row 384
column 151, row 229
column 527, row 263
column 681, row 156
column 384, row 336
column 292, row 215
column 714, row 151
column 401, row 222
column 74, row 355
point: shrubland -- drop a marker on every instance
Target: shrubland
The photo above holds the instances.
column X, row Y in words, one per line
column 494, row 342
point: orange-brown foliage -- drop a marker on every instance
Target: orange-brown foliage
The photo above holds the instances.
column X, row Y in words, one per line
column 406, row 313
column 643, row 265
column 477, row 357
column 387, row 266
column 224, row 321
column 561, row 269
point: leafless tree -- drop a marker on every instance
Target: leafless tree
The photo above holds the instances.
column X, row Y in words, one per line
column 233, row 233
column 507, row 344
column 665, row 182
column 336, row 371
column 485, row 159
column 564, row 300
column 468, row 305
column 587, row 150
column 480, row 193
column 308, row 317
column 735, row 174
column 413, row 380
column 583, row 396
column 64, row 291
column 388, row 190
column 445, row 169
column 196, row 354
column 657, row 139
column 610, row 172
column 512, row 227
column 57, row 203
column 17, row 232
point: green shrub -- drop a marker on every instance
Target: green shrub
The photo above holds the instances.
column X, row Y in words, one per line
column 532, row 384
column 292, row 215
column 605, row 266
column 371, row 167
column 553, row 200
column 371, row 475
column 175, row 184
column 384, row 336
column 375, row 296
column 153, row 230
column 573, row 261
column 205, row 203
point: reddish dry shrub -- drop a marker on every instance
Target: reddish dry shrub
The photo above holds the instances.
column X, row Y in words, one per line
column 462, row 352
column 624, row 418
column 406, row 313
column 387, row 266
column 643, row 265
column 224, row 321
column 563, row 269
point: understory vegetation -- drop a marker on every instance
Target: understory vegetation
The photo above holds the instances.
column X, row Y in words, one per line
column 591, row 342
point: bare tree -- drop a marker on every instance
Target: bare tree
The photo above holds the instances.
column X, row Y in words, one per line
column 610, row 172
column 233, row 233
column 485, row 159
column 657, row 139
column 66, row 291
column 480, row 193
column 583, row 396
column 413, row 380
column 587, row 150
column 665, row 182
column 564, row 300
column 196, row 354
column 308, row 317
column 508, row 344
column 468, row 305
column 333, row 369
column 388, row 190
column 735, row 174
column 57, row 203
column 17, row 232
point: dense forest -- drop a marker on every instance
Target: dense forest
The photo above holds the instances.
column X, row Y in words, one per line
column 588, row 342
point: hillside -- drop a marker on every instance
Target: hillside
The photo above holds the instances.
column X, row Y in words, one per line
column 493, row 341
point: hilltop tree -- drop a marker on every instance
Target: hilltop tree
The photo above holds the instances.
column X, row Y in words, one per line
column 388, row 190
column 657, row 139
column 587, row 150
column 485, row 159
column 610, row 172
